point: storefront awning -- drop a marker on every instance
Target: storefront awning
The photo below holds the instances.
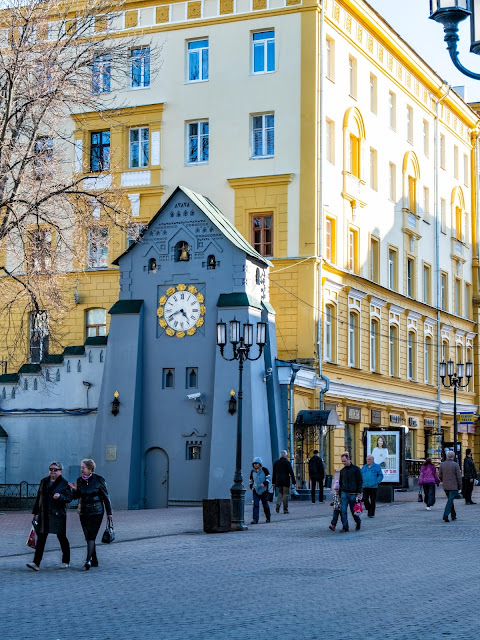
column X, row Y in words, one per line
column 317, row 418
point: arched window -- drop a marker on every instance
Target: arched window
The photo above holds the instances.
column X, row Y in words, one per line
column 375, row 345
column 428, row 360
column 354, row 138
column 79, row 366
column 411, row 356
column 458, row 215
column 445, row 351
column 35, row 384
column 211, row 262
column 393, row 350
column 353, row 339
column 96, row 323
column 152, row 265
column 182, row 251
column 411, row 176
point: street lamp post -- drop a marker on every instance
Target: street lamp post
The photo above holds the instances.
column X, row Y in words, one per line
column 455, row 382
column 450, row 13
column 241, row 345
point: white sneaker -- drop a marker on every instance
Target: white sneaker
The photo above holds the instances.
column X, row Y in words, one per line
column 429, row 508
column 64, row 565
column 32, row 565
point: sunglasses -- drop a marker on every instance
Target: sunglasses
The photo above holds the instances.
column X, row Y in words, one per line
column 53, row 469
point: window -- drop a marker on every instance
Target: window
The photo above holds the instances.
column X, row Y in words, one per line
column 353, row 250
column 392, row 182
column 39, row 336
column 411, row 356
column 354, row 155
column 352, row 76
column 427, row 284
column 443, row 292
column 412, row 194
column 43, row 162
column 353, row 341
column 140, row 67
column 428, row 360
column 262, row 234
column 40, row 251
column 263, row 135
column 409, row 124
column 79, row 366
column 443, row 215
column 139, row 143
column 465, row 170
column 133, row 232
column 393, row 350
column 101, row 74
column 426, row 138
column 468, row 301
column 459, row 223
column 330, row 58
column 100, row 150
column 442, row 151
column 194, row 450
column 168, row 379
column 374, row 262
column 392, row 269
column 90, row 357
column 263, row 51
column 373, row 93
column 96, row 323
column 410, row 277
column 330, row 140
column 329, row 332
column 98, row 248
column 198, row 60
column 374, row 346
column 455, row 161
column 329, row 239
column 458, row 297
column 191, row 378
column 373, row 169
column 198, row 142
column 392, row 110
column 426, row 204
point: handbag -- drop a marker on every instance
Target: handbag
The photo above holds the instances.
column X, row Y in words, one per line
column 109, row 533
column 32, row 539
column 420, row 497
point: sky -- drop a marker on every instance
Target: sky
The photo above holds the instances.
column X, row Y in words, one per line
column 410, row 19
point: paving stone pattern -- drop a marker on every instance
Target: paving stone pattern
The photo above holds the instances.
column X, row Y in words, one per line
column 405, row 575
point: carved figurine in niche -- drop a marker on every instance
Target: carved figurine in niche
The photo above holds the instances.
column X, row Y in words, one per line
column 183, row 249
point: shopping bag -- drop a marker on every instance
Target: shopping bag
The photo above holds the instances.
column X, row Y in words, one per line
column 358, row 507
column 32, row 539
column 109, row 533
column 420, row 497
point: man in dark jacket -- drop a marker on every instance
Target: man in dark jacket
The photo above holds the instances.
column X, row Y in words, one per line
column 50, row 514
column 317, row 473
column 350, row 490
column 282, row 473
column 469, row 477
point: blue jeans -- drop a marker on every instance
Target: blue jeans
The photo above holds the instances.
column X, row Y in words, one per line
column 348, row 500
column 449, row 508
column 256, row 505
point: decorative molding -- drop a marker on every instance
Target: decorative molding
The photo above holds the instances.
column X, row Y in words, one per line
column 98, row 182
column 136, row 179
column 356, row 294
column 135, row 204
column 256, row 181
column 377, row 302
column 336, row 287
column 78, row 155
column 155, row 148
column 395, row 308
column 413, row 316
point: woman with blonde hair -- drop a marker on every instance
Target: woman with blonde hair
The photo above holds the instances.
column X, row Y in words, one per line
column 93, row 501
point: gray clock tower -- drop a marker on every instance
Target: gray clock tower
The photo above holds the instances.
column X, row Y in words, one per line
column 173, row 438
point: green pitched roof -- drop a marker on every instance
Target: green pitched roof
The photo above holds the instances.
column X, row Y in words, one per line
column 53, row 358
column 30, row 368
column 216, row 217
column 9, row 378
column 96, row 341
column 3, row 433
column 126, row 306
column 78, row 350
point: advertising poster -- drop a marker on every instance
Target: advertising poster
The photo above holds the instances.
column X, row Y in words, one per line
column 384, row 446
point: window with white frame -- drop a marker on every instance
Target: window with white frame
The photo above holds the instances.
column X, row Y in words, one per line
column 426, row 204
column 427, row 284
column 330, row 58
column 263, row 54
column 198, row 142
column 353, row 339
column 442, row 151
column 98, row 248
column 465, row 170
column 392, row 182
column 393, row 350
column 353, row 262
column 373, row 93
column 411, row 356
column 374, row 262
column 443, row 215
column 445, row 351
column 139, row 147
column 455, row 161
column 409, row 124
column 330, row 140
column 392, row 110
column 458, row 297
column 197, row 60
column 263, row 135
column 101, row 73
column 428, row 360
column 140, row 67
column 392, row 269
column 352, row 76
column 96, row 323
column 373, row 169
column 426, row 138
column 328, row 329
column 410, row 277
column 443, row 291
column 374, row 345
column 329, row 239
column 471, row 385
column 39, row 336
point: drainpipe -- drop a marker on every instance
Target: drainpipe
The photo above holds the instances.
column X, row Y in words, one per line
column 437, row 258
column 295, row 368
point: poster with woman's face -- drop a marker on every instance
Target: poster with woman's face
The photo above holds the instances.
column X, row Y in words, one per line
column 384, row 446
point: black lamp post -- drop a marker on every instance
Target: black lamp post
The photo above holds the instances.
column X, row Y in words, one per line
column 450, row 13
column 455, row 379
column 241, row 345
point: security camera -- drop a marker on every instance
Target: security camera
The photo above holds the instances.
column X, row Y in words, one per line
column 194, row 396
column 269, row 370
column 87, row 384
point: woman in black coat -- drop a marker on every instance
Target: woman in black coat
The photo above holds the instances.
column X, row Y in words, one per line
column 49, row 512
column 93, row 501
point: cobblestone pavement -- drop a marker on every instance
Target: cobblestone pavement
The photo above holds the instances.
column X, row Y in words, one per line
column 405, row 575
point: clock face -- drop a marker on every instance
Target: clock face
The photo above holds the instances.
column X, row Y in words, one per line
column 181, row 311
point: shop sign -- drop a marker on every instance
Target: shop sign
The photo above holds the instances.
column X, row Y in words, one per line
column 466, row 417
column 429, row 422
column 354, row 414
column 413, row 422
column 376, row 417
column 395, row 418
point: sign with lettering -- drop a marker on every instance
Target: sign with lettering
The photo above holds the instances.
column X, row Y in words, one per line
column 429, row 422
column 395, row 418
column 354, row 414
column 466, row 417
column 376, row 417
column 412, row 422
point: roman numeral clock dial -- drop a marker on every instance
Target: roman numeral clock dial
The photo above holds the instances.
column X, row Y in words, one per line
column 181, row 311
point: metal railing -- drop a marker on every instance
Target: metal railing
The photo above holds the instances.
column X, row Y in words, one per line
column 18, row 497
column 412, row 467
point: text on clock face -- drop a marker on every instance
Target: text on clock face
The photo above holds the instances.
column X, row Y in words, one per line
column 182, row 310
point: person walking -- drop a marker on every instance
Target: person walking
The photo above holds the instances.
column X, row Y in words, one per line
column 282, row 474
column 372, row 476
column 469, row 476
column 49, row 511
column 337, row 509
column 317, row 474
column 451, row 476
column 93, row 501
column 427, row 480
column 259, row 483
column 350, row 491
